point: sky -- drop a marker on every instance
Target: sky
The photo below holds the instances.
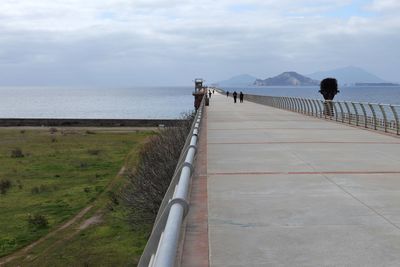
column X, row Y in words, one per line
column 171, row 42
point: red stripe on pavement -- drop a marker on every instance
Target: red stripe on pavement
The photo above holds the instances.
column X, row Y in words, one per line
column 305, row 142
column 303, row 173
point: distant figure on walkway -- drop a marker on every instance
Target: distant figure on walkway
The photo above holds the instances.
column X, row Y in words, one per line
column 234, row 96
column 227, row 93
column 241, row 97
column 209, row 94
column 213, row 91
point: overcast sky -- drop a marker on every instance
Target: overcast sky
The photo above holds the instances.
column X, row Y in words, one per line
column 171, row 42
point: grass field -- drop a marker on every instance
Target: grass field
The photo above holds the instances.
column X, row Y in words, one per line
column 53, row 174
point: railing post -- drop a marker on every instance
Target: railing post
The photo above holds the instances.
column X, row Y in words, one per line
column 341, row 111
column 335, row 110
column 303, row 108
column 348, row 111
column 355, row 110
column 384, row 116
column 396, row 117
column 311, row 106
column 365, row 115
column 293, row 104
column 373, row 114
column 280, row 102
column 296, row 108
column 285, row 103
column 315, row 106
column 320, row 106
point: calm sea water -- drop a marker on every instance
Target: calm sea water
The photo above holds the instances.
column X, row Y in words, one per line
column 147, row 102
column 122, row 103
column 385, row 95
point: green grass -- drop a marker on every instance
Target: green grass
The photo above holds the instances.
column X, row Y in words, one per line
column 59, row 175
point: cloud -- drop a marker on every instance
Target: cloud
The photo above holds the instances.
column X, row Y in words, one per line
column 134, row 42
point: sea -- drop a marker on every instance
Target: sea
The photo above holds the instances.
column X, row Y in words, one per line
column 168, row 102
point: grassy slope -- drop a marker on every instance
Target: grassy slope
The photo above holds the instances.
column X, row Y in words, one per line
column 69, row 177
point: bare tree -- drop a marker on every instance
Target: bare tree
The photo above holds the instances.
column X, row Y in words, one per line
column 148, row 182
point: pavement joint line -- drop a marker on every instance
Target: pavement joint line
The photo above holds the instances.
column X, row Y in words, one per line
column 303, row 173
column 305, row 142
column 361, row 202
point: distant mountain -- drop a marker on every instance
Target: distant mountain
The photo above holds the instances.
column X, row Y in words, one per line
column 348, row 75
column 290, row 78
column 239, row 80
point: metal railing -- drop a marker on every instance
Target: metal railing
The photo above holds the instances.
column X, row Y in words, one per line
column 162, row 246
column 381, row 117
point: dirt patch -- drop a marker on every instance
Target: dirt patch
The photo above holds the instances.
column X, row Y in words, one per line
column 96, row 219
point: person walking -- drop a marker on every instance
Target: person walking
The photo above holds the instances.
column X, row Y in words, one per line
column 227, row 93
column 241, row 97
column 209, row 94
column 234, row 96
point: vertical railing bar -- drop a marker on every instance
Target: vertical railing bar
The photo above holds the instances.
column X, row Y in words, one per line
column 348, row 111
column 312, row 108
column 373, row 115
column 335, row 110
column 384, row 116
column 396, row 117
column 341, row 111
column 315, row 106
column 365, row 114
column 356, row 111
column 320, row 105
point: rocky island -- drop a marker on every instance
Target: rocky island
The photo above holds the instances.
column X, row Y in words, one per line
column 290, row 78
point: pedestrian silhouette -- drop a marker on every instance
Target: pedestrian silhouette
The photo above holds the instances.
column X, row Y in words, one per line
column 227, row 93
column 234, row 96
column 241, row 97
column 209, row 94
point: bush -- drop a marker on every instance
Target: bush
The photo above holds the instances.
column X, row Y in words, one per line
column 53, row 130
column 43, row 189
column 38, row 221
column 5, row 184
column 149, row 181
column 94, row 152
column 17, row 153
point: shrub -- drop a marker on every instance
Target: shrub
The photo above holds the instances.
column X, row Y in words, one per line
column 53, row 130
column 38, row 221
column 149, row 181
column 43, row 189
column 94, row 152
column 5, row 184
column 17, row 153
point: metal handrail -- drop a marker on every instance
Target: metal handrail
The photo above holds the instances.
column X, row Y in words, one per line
column 162, row 246
column 380, row 117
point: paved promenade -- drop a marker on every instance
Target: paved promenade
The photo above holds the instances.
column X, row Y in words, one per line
column 285, row 189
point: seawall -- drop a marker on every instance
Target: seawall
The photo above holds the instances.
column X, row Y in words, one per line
column 13, row 122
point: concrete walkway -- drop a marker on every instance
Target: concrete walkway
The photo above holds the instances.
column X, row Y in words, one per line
column 285, row 189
